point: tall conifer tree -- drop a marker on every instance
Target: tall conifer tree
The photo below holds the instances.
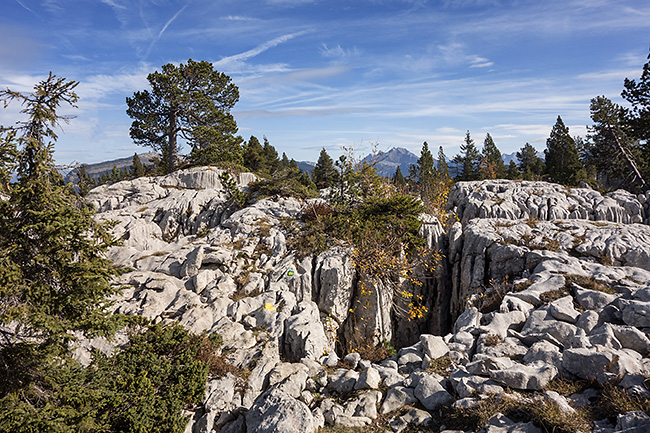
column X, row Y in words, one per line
column 54, row 277
column 324, row 173
column 492, row 165
column 562, row 162
column 469, row 159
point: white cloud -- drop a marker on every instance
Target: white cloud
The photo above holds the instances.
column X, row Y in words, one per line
column 25, row 7
column 113, row 4
column 225, row 62
column 479, row 62
column 167, row 24
column 300, row 112
column 338, row 52
column 239, row 18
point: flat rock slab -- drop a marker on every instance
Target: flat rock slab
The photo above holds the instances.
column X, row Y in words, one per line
column 530, row 377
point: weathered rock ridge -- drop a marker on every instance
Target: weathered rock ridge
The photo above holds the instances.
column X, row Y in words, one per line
column 580, row 307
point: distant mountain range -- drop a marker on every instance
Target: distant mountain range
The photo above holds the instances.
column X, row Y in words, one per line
column 386, row 163
column 96, row 170
column 507, row 157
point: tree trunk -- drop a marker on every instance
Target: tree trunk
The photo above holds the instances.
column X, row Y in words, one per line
column 172, row 151
column 628, row 158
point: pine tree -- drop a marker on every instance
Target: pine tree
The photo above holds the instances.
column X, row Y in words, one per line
column 512, row 172
column 324, row 173
column 271, row 160
column 469, row 159
column 284, row 162
column 54, row 277
column 611, row 151
column 193, row 101
column 637, row 93
column 442, row 169
column 137, row 168
column 425, row 173
column 562, row 162
column 531, row 166
column 398, row 179
column 492, row 165
column 254, row 155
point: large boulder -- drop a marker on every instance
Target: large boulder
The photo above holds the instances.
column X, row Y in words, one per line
column 304, row 334
column 277, row 412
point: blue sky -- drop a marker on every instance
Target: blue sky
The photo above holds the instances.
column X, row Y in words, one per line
column 316, row 74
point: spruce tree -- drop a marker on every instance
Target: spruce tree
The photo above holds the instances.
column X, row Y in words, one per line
column 562, row 162
column 398, row 179
column 254, row 155
column 54, row 277
column 469, row 159
column 512, row 172
column 492, row 165
column 324, row 173
column 612, row 152
column 137, row 168
column 442, row 169
column 531, row 166
column 425, row 173
column 271, row 160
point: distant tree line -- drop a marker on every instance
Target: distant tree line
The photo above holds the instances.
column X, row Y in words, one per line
column 190, row 103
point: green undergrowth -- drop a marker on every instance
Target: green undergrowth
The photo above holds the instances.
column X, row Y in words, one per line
column 283, row 183
column 144, row 387
column 378, row 222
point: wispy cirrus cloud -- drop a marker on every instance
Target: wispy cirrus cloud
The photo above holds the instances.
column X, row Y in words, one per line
column 113, row 4
column 338, row 52
column 239, row 18
column 26, row 7
column 236, row 63
column 162, row 30
column 301, row 112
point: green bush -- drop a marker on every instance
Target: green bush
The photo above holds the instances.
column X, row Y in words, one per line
column 284, row 183
column 143, row 388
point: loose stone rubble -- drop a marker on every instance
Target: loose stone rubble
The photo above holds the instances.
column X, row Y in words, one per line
column 578, row 305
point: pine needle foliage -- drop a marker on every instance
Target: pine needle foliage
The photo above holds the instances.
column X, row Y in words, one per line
column 144, row 388
column 54, row 277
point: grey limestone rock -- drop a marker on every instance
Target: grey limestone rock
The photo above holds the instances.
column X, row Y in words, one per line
column 304, row 334
column 289, row 378
column 587, row 363
column 534, row 376
column 558, row 400
column 499, row 423
column 632, row 422
column 396, row 397
column 592, row 299
column 434, row 346
column 637, row 313
column 335, row 273
column 431, row 393
column 365, row 405
column 368, row 379
column 342, row 380
column 277, row 412
column 563, row 309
